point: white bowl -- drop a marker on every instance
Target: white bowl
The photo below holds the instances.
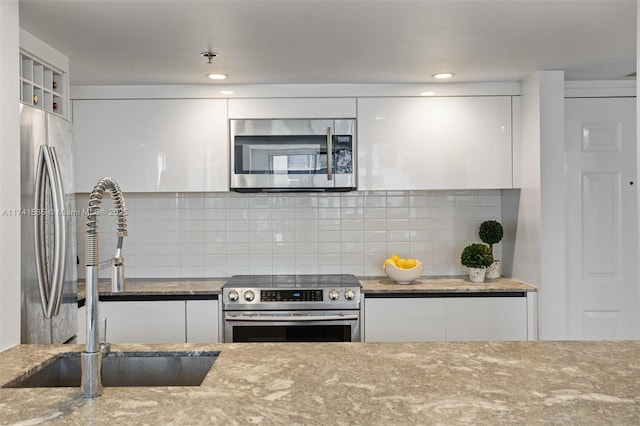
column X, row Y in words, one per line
column 404, row 276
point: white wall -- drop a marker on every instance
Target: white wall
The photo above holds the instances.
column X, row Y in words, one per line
column 539, row 254
column 9, row 175
column 638, row 108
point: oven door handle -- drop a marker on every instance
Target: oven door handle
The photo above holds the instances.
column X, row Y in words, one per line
column 291, row 318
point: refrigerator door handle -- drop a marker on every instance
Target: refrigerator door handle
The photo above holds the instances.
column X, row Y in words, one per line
column 38, row 225
column 60, row 232
column 48, row 175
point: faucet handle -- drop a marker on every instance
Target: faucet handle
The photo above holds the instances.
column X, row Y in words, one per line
column 117, row 275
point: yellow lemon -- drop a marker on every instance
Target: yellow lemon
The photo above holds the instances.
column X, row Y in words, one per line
column 394, row 257
column 400, row 263
column 388, row 261
column 410, row 263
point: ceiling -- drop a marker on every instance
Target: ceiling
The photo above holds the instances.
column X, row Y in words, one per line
column 348, row 41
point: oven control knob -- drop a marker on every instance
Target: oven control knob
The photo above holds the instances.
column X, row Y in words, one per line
column 249, row 295
column 233, row 296
column 349, row 294
column 333, row 294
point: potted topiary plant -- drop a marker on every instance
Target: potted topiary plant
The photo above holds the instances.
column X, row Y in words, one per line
column 476, row 257
column 491, row 233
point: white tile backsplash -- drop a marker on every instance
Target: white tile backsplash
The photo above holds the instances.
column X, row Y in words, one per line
column 190, row 235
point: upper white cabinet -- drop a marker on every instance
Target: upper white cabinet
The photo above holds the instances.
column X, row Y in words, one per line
column 293, row 108
column 44, row 75
column 434, row 143
column 152, row 145
column 42, row 86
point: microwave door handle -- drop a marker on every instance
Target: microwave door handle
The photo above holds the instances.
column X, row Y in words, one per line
column 329, row 154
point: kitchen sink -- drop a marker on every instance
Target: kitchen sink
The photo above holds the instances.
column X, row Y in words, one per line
column 126, row 369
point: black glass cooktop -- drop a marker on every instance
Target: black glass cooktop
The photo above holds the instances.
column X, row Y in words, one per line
column 292, row 281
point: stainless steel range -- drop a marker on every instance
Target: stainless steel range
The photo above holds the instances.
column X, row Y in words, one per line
column 291, row 308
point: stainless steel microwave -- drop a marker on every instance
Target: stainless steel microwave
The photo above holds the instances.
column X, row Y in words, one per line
column 292, row 155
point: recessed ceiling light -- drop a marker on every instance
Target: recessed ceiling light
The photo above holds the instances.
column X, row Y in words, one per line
column 427, row 93
column 216, row 76
column 442, row 75
column 226, row 92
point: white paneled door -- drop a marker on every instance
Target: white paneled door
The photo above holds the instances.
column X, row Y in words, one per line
column 602, row 230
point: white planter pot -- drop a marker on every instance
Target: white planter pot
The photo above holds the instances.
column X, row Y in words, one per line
column 476, row 275
column 494, row 271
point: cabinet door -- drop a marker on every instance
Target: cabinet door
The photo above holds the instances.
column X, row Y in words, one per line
column 152, row 145
column 487, row 318
column 434, row 143
column 81, row 337
column 293, row 108
column 144, row 322
column 404, row 320
column 203, row 321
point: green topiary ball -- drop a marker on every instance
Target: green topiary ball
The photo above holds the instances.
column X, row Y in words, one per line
column 476, row 256
column 491, row 232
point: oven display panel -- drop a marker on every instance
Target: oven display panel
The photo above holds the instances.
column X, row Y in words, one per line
column 291, row 295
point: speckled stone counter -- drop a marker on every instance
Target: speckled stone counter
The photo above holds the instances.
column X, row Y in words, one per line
column 443, row 285
column 586, row 383
column 159, row 287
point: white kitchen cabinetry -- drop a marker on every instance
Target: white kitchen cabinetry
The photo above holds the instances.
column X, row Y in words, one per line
column 42, row 86
column 434, row 143
column 414, row 318
column 487, row 318
column 157, row 321
column 161, row 321
column 293, row 108
column 81, row 337
column 152, row 145
column 404, row 320
column 203, row 321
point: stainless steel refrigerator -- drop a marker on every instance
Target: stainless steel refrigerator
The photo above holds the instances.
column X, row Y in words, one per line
column 48, row 230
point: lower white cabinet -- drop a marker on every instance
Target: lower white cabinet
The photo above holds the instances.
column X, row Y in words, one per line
column 416, row 319
column 157, row 321
column 160, row 321
column 203, row 321
column 404, row 320
column 487, row 318
column 81, row 337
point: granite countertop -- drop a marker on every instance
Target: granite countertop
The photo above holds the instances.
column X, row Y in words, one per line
column 587, row 383
column 443, row 285
column 212, row 286
column 159, row 286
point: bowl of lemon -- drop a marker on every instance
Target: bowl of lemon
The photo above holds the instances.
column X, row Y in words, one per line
column 402, row 271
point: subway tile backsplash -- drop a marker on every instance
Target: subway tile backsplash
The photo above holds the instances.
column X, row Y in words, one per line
column 193, row 235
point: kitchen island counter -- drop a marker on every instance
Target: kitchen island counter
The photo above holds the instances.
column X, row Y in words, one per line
column 356, row 383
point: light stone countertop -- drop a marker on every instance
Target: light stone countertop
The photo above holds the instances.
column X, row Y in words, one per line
column 212, row 286
column 159, row 286
column 443, row 285
column 448, row 383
